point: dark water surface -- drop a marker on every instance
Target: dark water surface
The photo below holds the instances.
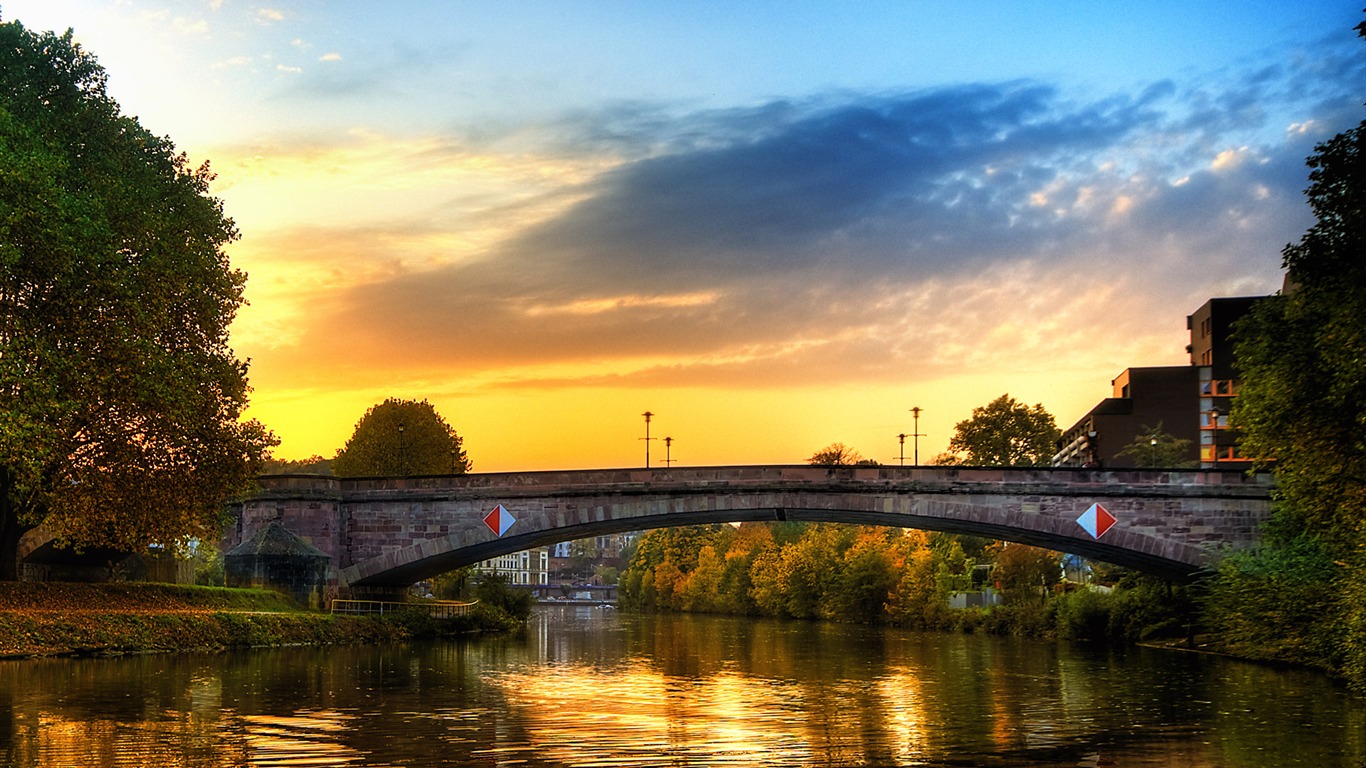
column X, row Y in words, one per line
column 591, row 687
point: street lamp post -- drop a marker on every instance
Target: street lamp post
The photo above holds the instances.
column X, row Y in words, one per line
column 668, row 451
column 901, row 450
column 915, row 412
column 402, row 457
column 1152, row 456
column 647, row 438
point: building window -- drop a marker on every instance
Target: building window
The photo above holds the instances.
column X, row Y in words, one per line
column 1219, row 387
column 1227, row 453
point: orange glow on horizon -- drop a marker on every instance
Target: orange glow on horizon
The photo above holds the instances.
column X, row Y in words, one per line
column 590, row 428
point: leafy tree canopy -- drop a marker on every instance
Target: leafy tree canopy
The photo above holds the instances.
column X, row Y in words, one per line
column 1024, row 573
column 313, row 465
column 398, row 438
column 1302, row 354
column 836, row 454
column 1155, row 447
column 1004, row 433
column 1302, row 408
column 120, row 419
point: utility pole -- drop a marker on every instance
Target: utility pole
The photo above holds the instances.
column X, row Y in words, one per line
column 647, row 438
column 915, row 412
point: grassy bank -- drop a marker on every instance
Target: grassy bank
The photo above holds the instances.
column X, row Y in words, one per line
column 51, row 619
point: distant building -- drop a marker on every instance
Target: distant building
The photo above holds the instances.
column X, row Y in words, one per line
column 568, row 559
column 1141, row 399
column 1190, row 402
column 530, row 566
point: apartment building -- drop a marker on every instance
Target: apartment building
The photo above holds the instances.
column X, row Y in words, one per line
column 1191, row 402
column 530, row 566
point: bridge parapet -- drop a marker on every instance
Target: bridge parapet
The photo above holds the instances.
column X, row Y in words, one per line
column 1067, row 480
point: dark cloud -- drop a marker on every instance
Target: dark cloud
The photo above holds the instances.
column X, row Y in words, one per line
column 747, row 234
column 893, row 173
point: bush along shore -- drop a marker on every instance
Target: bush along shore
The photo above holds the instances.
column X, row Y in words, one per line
column 56, row 619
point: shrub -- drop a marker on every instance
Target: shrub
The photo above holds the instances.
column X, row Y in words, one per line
column 1085, row 614
column 495, row 594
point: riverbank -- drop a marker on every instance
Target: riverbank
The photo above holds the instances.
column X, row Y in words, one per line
column 58, row 619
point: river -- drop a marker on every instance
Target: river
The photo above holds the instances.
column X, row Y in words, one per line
column 594, row 687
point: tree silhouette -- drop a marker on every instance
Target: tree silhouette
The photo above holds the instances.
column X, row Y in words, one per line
column 398, row 438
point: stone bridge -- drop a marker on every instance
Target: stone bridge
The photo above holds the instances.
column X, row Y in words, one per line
column 392, row 532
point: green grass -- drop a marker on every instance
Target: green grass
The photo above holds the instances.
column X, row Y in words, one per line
column 57, row 619
column 62, row 596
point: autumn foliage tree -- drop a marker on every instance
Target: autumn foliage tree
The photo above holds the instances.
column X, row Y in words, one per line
column 120, row 399
column 1024, row 573
column 398, row 438
column 853, row 573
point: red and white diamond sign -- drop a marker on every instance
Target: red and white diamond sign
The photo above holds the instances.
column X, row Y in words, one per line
column 499, row 520
column 1096, row 521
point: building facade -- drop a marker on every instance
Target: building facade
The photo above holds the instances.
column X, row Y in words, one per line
column 1211, row 353
column 1190, row 402
column 528, row 567
column 1142, row 400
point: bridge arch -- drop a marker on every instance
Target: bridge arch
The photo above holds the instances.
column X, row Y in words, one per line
column 1140, row 551
column 390, row 532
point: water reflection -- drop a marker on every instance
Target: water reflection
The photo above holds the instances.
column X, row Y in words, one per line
column 586, row 687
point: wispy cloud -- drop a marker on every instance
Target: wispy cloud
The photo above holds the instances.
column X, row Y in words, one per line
column 234, row 62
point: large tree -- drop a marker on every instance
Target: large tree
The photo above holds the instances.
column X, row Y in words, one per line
column 119, row 395
column 401, row 438
column 1302, row 355
column 1004, row 432
column 1302, row 409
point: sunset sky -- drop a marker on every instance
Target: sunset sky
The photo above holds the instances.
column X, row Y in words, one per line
column 775, row 225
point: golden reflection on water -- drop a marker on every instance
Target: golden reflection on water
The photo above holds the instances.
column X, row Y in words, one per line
column 304, row 738
column 61, row 741
column 676, row 691
column 638, row 716
column 905, row 716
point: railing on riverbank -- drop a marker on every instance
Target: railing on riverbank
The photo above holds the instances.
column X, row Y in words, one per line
column 437, row 609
